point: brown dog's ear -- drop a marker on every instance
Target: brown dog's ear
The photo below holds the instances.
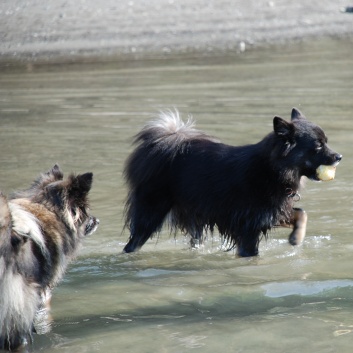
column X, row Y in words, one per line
column 56, row 172
column 80, row 185
column 85, row 182
column 283, row 128
column 297, row 114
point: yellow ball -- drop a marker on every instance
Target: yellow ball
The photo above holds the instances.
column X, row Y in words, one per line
column 326, row 172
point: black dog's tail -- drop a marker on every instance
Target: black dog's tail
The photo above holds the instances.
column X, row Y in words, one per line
column 158, row 143
column 147, row 173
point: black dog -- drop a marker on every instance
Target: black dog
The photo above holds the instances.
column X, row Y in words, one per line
column 202, row 183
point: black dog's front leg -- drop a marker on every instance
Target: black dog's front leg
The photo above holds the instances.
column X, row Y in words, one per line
column 299, row 220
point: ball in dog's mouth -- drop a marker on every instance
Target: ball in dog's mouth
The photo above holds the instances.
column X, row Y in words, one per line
column 326, row 172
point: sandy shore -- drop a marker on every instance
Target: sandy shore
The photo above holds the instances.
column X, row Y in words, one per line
column 61, row 30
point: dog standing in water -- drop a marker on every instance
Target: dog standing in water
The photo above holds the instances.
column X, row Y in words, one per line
column 203, row 184
column 41, row 229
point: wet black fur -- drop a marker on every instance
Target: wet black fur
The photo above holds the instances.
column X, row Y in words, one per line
column 204, row 184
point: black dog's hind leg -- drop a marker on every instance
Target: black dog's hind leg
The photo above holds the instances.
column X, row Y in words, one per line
column 248, row 245
column 146, row 219
column 138, row 237
column 298, row 221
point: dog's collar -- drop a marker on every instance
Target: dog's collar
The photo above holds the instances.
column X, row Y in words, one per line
column 293, row 194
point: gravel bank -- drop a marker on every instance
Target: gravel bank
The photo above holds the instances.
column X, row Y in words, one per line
column 61, row 30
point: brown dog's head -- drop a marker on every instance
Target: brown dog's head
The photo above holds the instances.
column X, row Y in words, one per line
column 68, row 198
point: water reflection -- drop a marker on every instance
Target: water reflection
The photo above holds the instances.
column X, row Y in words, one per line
column 168, row 298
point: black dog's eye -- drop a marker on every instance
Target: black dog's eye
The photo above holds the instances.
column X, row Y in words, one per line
column 319, row 146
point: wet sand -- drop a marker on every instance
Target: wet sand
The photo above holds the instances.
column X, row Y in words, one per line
column 60, row 30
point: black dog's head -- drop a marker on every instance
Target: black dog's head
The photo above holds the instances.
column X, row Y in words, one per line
column 303, row 145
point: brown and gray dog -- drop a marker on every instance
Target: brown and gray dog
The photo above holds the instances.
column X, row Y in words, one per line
column 41, row 229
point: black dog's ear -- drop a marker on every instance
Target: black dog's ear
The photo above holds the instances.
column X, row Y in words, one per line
column 297, row 114
column 283, row 128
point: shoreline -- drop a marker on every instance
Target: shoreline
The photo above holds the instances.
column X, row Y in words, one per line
column 63, row 31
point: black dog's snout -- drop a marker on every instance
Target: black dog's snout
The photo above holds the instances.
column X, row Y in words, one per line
column 338, row 157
